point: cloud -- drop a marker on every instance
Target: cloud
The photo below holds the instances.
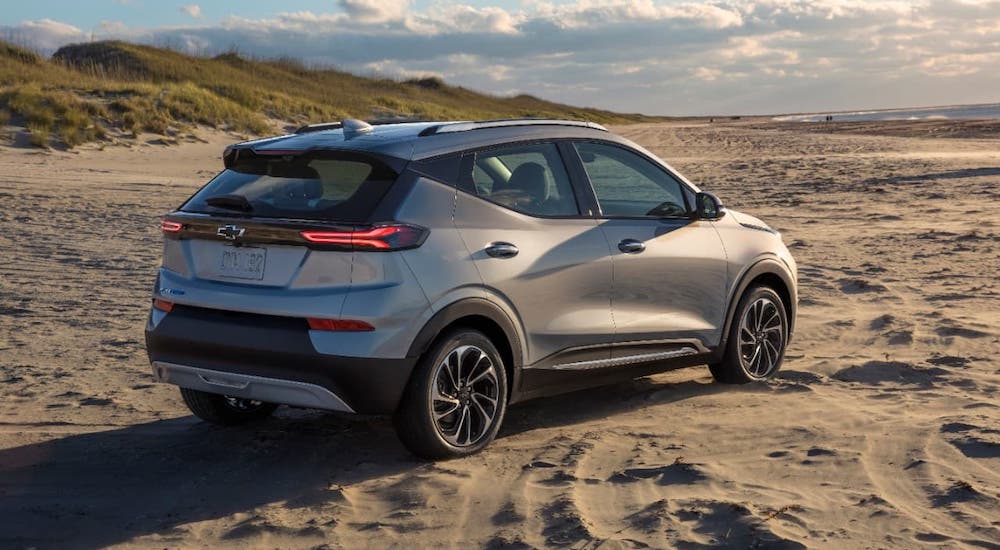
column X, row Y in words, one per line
column 676, row 57
column 375, row 11
column 193, row 10
column 42, row 34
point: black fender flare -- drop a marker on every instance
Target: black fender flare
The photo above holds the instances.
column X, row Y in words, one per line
column 765, row 266
column 467, row 307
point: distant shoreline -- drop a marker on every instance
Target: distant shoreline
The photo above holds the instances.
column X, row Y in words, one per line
column 982, row 111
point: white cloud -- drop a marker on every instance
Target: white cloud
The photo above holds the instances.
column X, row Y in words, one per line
column 586, row 13
column 193, row 10
column 42, row 34
column 375, row 11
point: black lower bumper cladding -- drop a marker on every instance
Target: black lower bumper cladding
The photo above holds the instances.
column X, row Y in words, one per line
column 275, row 347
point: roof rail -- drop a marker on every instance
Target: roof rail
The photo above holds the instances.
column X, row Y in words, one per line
column 320, row 126
column 450, row 127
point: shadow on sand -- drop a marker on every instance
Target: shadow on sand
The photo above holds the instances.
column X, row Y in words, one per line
column 96, row 489
column 955, row 174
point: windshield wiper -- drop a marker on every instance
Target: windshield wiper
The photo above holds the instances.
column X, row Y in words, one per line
column 236, row 202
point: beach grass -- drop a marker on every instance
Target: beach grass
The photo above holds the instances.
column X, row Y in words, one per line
column 87, row 92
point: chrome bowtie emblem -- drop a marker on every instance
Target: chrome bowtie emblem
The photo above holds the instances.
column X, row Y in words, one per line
column 231, row 232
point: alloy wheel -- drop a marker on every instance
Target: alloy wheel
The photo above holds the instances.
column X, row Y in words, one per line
column 762, row 338
column 465, row 396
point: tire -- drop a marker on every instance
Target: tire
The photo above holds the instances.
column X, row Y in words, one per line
column 225, row 411
column 443, row 417
column 760, row 352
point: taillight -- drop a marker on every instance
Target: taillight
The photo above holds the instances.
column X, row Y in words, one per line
column 339, row 325
column 163, row 305
column 383, row 237
column 170, row 227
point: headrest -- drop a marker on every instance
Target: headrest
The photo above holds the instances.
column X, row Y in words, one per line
column 530, row 179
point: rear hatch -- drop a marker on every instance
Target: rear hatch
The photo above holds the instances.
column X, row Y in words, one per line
column 282, row 221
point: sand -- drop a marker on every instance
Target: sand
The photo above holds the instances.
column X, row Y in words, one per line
column 882, row 431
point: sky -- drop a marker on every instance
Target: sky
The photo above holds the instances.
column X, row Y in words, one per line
column 664, row 57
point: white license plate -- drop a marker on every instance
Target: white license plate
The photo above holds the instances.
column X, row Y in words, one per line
column 243, row 262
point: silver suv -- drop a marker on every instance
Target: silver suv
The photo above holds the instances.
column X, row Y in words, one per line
column 439, row 272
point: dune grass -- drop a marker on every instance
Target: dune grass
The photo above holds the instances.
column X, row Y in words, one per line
column 86, row 92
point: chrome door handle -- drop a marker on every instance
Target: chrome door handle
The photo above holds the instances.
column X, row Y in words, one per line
column 631, row 246
column 502, row 250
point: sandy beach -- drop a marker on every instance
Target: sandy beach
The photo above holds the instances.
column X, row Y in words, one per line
column 882, row 431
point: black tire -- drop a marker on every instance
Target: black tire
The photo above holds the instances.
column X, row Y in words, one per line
column 734, row 369
column 218, row 409
column 415, row 420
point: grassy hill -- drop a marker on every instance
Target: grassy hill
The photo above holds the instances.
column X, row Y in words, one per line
column 90, row 92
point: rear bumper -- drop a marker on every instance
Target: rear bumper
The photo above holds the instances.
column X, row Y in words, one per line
column 269, row 390
column 269, row 359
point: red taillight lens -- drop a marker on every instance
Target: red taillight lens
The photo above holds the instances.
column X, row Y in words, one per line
column 339, row 325
column 170, row 227
column 383, row 237
column 163, row 305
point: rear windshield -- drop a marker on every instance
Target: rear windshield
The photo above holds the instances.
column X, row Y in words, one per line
column 316, row 186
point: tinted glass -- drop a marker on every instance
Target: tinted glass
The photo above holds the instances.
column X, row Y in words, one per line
column 530, row 179
column 331, row 186
column 628, row 185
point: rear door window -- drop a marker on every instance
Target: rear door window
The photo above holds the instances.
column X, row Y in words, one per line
column 530, row 179
column 329, row 186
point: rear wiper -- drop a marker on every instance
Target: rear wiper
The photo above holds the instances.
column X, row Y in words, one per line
column 237, row 202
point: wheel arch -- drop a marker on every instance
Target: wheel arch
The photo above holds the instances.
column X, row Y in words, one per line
column 773, row 274
column 482, row 315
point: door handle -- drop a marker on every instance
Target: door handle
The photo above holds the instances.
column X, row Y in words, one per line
column 502, row 250
column 631, row 246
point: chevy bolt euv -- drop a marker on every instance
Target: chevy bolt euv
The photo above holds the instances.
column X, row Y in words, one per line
column 439, row 272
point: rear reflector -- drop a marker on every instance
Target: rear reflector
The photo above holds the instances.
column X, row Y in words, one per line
column 163, row 305
column 339, row 325
column 384, row 237
column 170, row 227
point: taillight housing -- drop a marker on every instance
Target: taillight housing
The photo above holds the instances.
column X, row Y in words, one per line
column 389, row 237
column 163, row 305
column 171, row 227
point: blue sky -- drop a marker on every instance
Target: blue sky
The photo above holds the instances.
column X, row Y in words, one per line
column 674, row 57
column 89, row 14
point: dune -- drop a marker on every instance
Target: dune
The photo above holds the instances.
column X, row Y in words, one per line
column 883, row 430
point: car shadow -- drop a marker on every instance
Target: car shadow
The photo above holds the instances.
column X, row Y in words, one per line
column 607, row 401
column 97, row 489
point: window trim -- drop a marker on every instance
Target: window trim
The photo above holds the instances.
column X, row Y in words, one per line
column 589, row 186
column 469, row 160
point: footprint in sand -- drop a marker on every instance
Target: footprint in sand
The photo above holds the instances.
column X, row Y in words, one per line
column 677, row 473
column 949, row 361
column 973, row 441
column 882, row 322
column 948, row 331
column 879, row 372
column 960, row 491
column 860, row 286
column 900, row 337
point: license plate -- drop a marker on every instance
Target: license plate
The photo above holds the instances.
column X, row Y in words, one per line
column 243, row 262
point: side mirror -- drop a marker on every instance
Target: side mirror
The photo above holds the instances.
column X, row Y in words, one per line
column 708, row 207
